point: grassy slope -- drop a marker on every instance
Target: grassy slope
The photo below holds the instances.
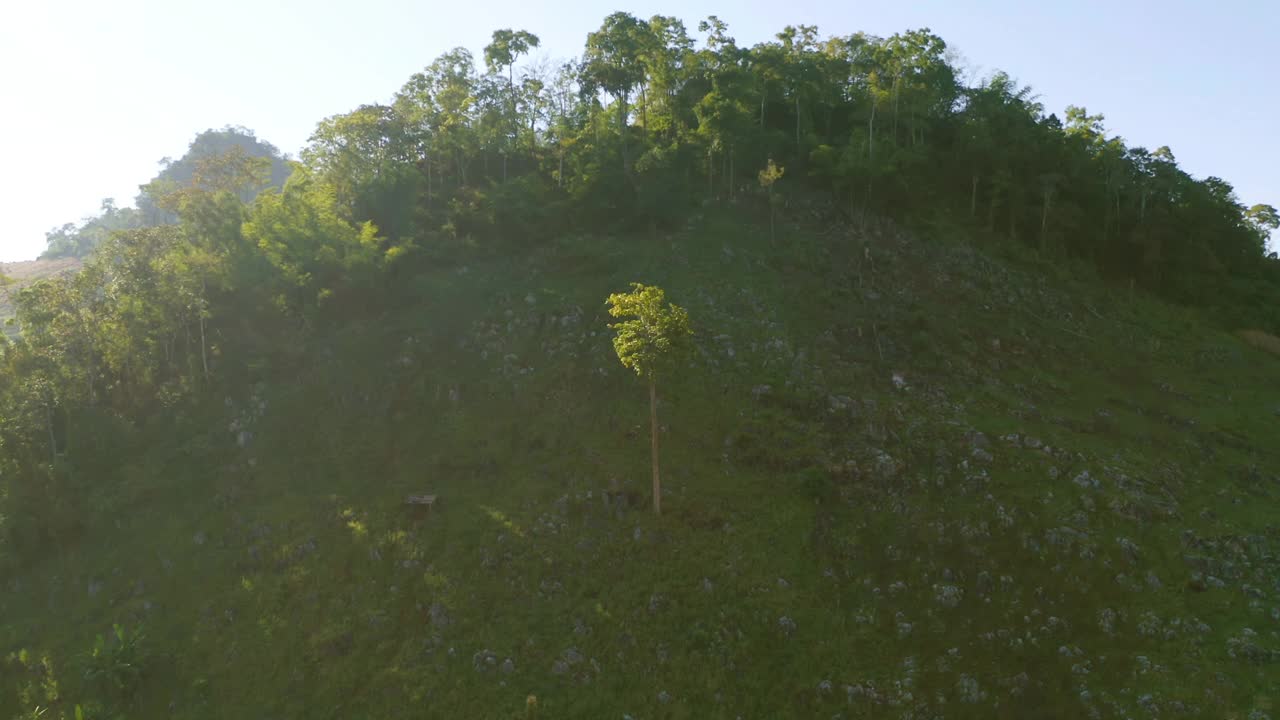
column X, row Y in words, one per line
column 24, row 273
column 897, row 543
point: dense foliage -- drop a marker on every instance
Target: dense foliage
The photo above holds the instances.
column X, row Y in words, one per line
column 71, row 240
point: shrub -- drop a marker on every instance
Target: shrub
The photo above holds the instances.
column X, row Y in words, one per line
column 117, row 663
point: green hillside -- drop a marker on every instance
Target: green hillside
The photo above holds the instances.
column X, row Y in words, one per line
column 22, row 274
column 1051, row 510
column 978, row 416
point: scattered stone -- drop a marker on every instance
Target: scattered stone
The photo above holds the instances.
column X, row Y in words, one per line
column 1245, row 647
column 969, row 691
column 484, row 661
column 439, row 616
column 664, row 697
column 1107, row 620
column 787, row 625
column 1085, row 480
column 947, row 595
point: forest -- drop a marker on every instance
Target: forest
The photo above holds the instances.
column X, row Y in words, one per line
column 236, row 257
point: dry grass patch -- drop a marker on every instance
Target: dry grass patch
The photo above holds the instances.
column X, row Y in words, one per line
column 1261, row 340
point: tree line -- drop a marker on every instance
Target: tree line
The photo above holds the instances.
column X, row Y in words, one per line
column 225, row 259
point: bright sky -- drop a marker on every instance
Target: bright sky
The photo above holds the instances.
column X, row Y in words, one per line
column 94, row 92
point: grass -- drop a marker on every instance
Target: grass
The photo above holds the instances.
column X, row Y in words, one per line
column 22, row 274
column 1261, row 340
column 802, row 533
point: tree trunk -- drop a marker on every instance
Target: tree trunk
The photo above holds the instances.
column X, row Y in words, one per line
column 53, row 441
column 653, row 432
column 871, row 131
column 515, row 125
column 622, row 128
column 711, row 172
column 644, row 109
column 797, row 123
column 730, row 174
column 204, row 352
column 896, row 95
column 1044, row 220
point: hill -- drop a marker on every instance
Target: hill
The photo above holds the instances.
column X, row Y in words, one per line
column 905, row 477
column 24, row 273
column 978, row 418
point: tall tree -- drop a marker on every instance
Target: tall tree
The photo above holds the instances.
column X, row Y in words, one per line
column 613, row 62
column 503, row 51
column 648, row 343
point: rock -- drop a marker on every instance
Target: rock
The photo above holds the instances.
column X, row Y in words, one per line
column 531, row 299
column 900, row 382
column 707, row 585
column 508, row 666
column 885, row 466
column 439, row 616
column 664, row 697
column 787, row 625
column 1128, row 549
column 559, row 667
column 1245, row 647
column 968, row 689
column 199, row 538
column 760, row 391
column 982, row 456
column 95, row 587
column 977, row 440
column 947, row 595
column 484, row 661
column 1085, row 480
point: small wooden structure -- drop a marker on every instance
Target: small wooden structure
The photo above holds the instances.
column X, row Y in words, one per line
column 428, row 500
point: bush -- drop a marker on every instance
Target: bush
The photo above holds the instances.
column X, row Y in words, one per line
column 117, row 664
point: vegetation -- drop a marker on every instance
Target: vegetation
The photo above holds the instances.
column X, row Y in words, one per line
column 971, row 430
column 647, row 343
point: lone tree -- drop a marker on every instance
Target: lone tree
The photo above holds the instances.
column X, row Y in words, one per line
column 768, row 176
column 647, row 343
